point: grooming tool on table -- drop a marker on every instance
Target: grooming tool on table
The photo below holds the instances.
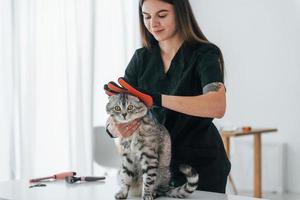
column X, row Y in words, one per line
column 37, row 185
column 73, row 179
column 59, row 176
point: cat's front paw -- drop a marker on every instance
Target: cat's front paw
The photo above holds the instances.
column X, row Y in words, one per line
column 155, row 195
column 121, row 195
column 147, row 197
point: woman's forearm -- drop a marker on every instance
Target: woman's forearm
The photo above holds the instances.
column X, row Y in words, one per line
column 211, row 104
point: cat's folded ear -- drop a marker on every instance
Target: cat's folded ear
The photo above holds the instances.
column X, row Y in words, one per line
column 134, row 97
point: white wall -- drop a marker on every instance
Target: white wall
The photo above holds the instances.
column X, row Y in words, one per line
column 261, row 46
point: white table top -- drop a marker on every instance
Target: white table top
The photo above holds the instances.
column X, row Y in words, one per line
column 102, row 190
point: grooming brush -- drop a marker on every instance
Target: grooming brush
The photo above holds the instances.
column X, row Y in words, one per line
column 59, row 176
column 73, row 179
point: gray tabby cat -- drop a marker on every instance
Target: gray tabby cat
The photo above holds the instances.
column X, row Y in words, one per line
column 146, row 153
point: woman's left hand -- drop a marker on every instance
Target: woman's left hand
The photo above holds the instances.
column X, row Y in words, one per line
column 148, row 99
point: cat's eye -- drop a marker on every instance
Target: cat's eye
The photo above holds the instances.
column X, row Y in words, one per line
column 130, row 107
column 117, row 108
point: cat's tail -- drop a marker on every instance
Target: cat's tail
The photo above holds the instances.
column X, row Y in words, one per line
column 189, row 187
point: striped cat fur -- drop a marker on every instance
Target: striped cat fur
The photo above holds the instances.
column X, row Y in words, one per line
column 146, row 154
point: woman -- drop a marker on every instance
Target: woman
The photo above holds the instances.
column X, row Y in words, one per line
column 179, row 74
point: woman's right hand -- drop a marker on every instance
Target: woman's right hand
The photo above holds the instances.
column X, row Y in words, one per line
column 125, row 129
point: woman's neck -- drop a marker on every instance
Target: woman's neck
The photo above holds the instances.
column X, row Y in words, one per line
column 170, row 47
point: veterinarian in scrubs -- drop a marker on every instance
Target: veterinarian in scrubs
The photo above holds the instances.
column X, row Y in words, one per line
column 180, row 75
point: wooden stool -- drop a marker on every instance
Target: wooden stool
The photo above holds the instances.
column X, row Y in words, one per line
column 226, row 135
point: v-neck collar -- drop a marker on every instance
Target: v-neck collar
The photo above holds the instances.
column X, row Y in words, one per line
column 179, row 55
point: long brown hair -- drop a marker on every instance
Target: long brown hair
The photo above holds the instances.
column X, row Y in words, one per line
column 186, row 24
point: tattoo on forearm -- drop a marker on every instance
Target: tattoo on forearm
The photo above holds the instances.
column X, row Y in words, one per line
column 215, row 86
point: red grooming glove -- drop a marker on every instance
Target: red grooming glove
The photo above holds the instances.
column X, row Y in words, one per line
column 113, row 88
column 148, row 99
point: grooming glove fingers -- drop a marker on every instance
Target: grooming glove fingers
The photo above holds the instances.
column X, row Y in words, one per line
column 146, row 98
column 149, row 99
column 108, row 91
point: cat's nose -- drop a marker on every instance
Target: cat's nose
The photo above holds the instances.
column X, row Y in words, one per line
column 124, row 115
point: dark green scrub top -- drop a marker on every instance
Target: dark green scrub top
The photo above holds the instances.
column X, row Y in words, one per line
column 195, row 140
